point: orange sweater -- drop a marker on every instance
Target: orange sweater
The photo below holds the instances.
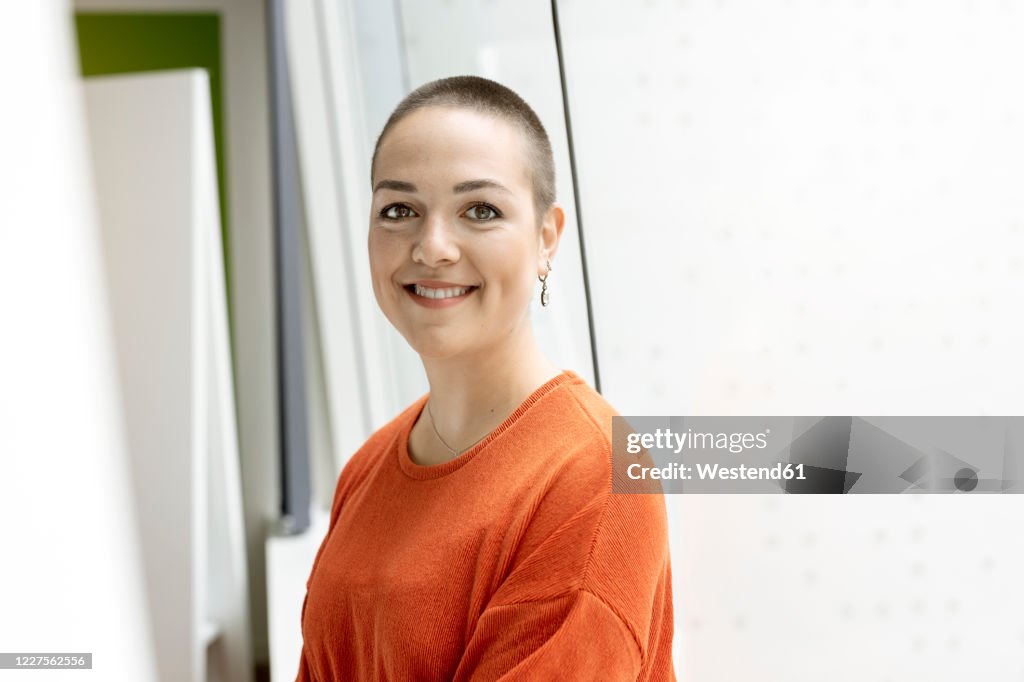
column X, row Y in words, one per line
column 513, row 561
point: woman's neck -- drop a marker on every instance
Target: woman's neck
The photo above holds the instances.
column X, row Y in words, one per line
column 471, row 396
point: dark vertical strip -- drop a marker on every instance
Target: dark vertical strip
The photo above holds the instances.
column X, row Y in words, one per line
column 576, row 193
column 294, row 444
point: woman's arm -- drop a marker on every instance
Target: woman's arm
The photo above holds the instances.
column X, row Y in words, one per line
column 592, row 602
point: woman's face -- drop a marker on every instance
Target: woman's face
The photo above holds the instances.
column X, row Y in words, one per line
column 454, row 244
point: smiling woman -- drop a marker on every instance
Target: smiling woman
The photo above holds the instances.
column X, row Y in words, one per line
column 476, row 535
column 453, row 209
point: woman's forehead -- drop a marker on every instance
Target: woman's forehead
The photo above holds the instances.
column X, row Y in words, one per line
column 453, row 145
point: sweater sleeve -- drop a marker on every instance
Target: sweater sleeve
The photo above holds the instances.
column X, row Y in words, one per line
column 351, row 475
column 592, row 600
column 575, row 636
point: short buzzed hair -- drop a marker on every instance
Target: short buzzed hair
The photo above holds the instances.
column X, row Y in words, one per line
column 489, row 97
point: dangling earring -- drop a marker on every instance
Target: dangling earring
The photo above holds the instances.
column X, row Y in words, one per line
column 544, row 296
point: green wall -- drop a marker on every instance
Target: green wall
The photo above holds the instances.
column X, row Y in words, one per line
column 110, row 43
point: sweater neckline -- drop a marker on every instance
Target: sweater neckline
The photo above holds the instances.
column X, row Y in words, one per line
column 422, row 472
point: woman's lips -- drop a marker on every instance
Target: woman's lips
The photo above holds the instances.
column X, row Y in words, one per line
column 426, row 302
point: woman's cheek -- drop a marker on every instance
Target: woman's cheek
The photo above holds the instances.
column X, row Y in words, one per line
column 386, row 249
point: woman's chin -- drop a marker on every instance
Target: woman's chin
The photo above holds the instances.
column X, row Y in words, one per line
column 440, row 347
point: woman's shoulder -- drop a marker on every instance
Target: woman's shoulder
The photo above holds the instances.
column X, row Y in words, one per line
column 581, row 441
column 579, row 415
column 371, row 454
column 572, row 436
column 594, row 405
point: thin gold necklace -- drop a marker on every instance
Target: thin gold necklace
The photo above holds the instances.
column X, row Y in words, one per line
column 450, row 448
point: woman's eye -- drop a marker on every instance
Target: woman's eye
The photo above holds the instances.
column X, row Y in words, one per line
column 483, row 212
column 397, row 212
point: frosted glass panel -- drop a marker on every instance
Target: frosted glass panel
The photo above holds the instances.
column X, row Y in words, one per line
column 803, row 207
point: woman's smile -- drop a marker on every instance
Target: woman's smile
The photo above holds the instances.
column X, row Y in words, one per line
column 438, row 294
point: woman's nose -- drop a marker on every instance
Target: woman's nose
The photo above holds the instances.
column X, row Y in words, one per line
column 436, row 243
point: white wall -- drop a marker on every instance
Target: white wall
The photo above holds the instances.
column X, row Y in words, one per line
column 148, row 216
column 71, row 577
column 152, row 146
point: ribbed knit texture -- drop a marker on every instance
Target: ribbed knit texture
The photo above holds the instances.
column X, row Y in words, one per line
column 513, row 561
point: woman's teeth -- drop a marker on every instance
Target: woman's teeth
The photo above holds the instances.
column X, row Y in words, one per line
column 427, row 292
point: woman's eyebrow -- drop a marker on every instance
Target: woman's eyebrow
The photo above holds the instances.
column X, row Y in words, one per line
column 470, row 185
column 397, row 185
column 462, row 187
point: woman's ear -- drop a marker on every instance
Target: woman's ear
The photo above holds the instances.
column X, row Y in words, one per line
column 550, row 235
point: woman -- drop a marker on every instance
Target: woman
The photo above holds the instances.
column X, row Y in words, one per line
column 476, row 536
